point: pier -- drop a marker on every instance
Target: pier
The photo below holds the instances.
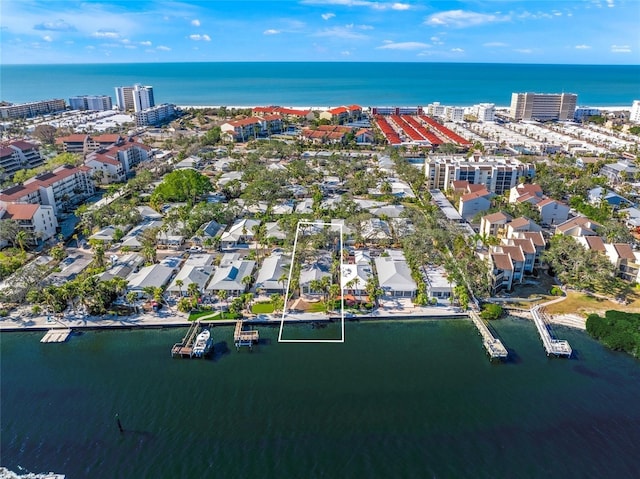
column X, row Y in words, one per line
column 184, row 349
column 243, row 337
column 56, row 335
column 552, row 346
column 493, row 345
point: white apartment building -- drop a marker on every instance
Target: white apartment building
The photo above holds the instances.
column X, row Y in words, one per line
column 136, row 97
column 18, row 155
column 117, row 161
column 155, row 115
column 543, row 106
column 91, row 102
column 484, row 111
column 454, row 113
column 498, row 175
column 63, row 187
column 34, row 108
column 39, row 221
column 435, row 109
column 635, row 112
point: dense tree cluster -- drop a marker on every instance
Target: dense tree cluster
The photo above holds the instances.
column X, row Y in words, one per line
column 617, row 330
column 181, row 185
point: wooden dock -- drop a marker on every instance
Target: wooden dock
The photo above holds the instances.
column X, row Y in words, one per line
column 552, row 346
column 243, row 337
column 184, row 349
column 56, row 335
column 493, row 345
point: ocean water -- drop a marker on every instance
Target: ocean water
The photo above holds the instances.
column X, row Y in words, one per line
column 414, row 399
column 325, row 84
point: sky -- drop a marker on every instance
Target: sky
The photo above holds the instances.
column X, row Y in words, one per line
column 491, row 31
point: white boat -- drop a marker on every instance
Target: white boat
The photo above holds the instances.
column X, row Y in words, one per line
column 203, row 344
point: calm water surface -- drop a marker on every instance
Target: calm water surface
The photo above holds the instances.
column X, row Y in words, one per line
column 397, row 399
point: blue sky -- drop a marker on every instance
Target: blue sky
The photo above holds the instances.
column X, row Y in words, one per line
column 495, row 31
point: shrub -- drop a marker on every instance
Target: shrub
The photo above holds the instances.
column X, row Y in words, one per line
column 557, row 291
column 491, row 311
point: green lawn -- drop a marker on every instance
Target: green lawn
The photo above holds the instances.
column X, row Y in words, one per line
column 318, row 307
column 212, row 315
column 262, row 308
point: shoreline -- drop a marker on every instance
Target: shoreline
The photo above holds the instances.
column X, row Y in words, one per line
column 325, row 108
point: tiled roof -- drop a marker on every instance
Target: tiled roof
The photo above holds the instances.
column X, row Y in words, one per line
column 75, row 138
column 595, row 243
column 624, row 250
column 23, row 145
column 495, row 217
column 20, row 211
column 502, row 261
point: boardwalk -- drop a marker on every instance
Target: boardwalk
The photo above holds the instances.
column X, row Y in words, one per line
column 185, row 347
column 56, row 335
column 494, row 346
column 244, row 338
column 551, row 345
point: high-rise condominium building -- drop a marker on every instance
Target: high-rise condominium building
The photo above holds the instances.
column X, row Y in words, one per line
column 91, row 102
column 543, row 106
column 136, row 98
column 635, row 112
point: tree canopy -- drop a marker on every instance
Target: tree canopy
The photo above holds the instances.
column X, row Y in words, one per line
column 181, row 185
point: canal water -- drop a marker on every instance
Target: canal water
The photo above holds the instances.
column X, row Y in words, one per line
column 415, row 399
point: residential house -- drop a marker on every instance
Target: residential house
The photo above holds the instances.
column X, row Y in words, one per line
column 578, row 226
column 552, row 212
column 472, row 204
column 229, row 277
column 494, row 224
column 122, row 266
column 315, row 270
column 394, row 275
column 154, row 276
column 209, row 231
column 521, row 224
column 501, row 271
column 625, row 260
column 439, row 285
column 188, row 274
column 272, row 274
column 240, row 233
column 622, row 170
column 525, row 192
column 597, row 195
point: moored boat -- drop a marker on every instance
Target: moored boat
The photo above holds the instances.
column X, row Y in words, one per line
column 202, row 344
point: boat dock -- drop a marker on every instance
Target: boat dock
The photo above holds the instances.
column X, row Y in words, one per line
column 493, row 345
column 184, row 349
column 56, row 335
column 553, row 346
column 243, row 337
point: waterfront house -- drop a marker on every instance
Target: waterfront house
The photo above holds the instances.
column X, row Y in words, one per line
column 229, row 277
column 38, row 221
column 154, row 276
column 394, row 275
column 315, row 270
column 271, row 275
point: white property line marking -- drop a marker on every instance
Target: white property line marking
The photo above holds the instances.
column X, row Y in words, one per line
column 284, row 309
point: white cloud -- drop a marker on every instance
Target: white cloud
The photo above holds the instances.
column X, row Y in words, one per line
column 620, row 49
column 197, row 37
column 195, row 22
column 345, row 53
column 106, row 34
column 131, row 47
column 341, row 32
column 436, row 41
column 582, row 47
column 365, row 27
column 404, row 46
column 461, row 19
column 57, row 26
column 47, row 38
column 457, row 50
column 163, row 48
column 272, row 31
column 523, row 50
column 495, row 44
column 361, row 3
column 327, row 16
column 146, row 43
column 610, row 4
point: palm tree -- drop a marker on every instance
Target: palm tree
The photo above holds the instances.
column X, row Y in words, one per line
column 98, row 256
column 222, row 294
column 192, row 290
column 246, row 281
column 179, row 284
column 21, row 239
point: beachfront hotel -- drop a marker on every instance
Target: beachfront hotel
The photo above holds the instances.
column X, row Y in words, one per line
column 543, row 106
